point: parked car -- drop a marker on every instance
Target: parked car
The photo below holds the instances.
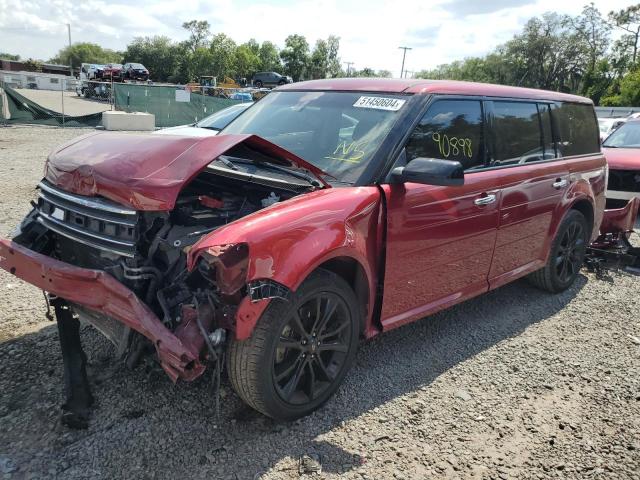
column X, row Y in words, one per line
column 622, row 150
column 209, row 126
column 329, row 212
column 608, row 126
column 112, row 71
column 270, row 79
column 91, row 71
column 135, row 71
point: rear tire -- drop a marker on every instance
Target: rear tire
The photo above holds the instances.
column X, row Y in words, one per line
column 567, row 254
column 258, row 83
column 299, row 351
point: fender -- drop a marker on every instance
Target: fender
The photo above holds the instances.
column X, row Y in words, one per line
column 584, row 186
column 287, row 241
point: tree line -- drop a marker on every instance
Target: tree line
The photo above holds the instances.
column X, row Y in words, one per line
column 564, row 53
column 204, row 53
column 574, row 54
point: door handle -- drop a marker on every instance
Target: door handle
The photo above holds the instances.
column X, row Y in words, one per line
column 486, row 200
column 558, row 184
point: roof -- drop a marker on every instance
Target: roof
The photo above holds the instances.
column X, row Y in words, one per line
column 426, row 87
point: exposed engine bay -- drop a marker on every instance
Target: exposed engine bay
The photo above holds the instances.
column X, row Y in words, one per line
column 147, row 251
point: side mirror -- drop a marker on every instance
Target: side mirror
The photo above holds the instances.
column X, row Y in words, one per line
column 430, row 171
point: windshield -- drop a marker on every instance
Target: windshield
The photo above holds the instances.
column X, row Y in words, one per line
column 338, row 132
column 627, row 136
column 137, row 65
column 222, row 118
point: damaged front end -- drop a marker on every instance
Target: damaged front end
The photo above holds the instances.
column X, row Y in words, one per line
column 110, row 257
column 612, row 250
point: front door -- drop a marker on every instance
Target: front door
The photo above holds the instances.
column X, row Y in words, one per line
column 440, row 240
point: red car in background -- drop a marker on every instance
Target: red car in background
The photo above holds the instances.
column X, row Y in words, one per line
column 327, row 213
column 622, row 150
column 112, row 71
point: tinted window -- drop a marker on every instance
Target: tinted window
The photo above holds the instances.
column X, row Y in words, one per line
column 577, row 128
column 451, row 130
column 518, row 137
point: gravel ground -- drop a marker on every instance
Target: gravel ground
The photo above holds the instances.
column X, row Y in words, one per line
column 73, row 104
column 514, row 384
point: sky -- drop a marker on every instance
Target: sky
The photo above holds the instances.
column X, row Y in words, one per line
column 370, row 31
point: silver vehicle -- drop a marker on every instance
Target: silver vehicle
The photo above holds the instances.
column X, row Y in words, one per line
column 209, row 126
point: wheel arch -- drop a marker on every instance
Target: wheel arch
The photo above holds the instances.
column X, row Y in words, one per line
column 354, row 273
column 585, row 207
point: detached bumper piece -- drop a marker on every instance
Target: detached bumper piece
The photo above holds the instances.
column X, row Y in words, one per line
column 98, row 291
column 612, row 249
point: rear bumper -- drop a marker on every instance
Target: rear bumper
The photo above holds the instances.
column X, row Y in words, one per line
column 99, row 291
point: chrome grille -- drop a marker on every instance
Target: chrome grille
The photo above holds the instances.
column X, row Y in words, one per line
column 95, row 222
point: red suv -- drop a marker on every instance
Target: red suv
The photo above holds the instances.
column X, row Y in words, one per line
column 327, row 213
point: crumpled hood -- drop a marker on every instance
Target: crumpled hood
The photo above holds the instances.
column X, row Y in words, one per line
column 147, row 172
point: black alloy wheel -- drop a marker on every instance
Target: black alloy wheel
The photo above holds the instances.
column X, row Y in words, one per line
column 312, row 348
column 570, row 254
column 300, row 349
column 568, row 250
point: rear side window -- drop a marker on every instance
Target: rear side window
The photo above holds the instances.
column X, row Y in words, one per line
column 450, row 130
column 577, row 128
column 518, row 133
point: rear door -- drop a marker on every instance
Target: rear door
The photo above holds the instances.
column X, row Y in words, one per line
column 533, row 180
column 440, row 240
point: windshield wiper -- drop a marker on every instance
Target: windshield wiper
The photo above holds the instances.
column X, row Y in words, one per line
column 227, row 162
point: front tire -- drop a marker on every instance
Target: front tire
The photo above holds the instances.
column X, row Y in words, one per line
column 300, row 350
column 567, row 255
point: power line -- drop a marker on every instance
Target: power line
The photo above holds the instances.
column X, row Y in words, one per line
column 404, row 54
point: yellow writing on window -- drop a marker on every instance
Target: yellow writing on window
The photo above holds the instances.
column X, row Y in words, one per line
column 351, row 152
column 453, row 146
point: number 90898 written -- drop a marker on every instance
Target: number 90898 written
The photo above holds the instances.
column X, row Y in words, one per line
column 453, row 146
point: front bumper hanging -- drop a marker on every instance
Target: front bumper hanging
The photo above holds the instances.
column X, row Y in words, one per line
column 100, row 292
column 612, row 250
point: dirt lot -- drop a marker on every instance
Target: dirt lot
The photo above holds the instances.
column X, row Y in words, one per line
column 514, row 384
column 72, row 103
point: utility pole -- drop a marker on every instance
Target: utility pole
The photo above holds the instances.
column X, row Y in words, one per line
column 404, row 54
column 348, row 64
column 69, row 34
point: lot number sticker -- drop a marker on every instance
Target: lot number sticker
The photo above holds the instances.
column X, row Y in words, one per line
column 380, row 103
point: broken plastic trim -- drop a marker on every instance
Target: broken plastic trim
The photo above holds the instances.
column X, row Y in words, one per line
column 262, row 289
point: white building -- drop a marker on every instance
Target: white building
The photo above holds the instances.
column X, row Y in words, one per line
column 40, row 81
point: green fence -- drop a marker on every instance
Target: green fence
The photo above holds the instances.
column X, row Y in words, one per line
column 171, row 106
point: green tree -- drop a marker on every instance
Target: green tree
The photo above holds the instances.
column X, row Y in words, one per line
column 269, row 58
column 628, row 20
column 222, row 50
column 32, row 65
column 9, row 56
column 295, row 56
column 199, row 33
column 246, row 60
column 159, row 54
column 318, row 62
column 384, row 74
column 85, row 52
column 333, row 58
column 629, row 95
